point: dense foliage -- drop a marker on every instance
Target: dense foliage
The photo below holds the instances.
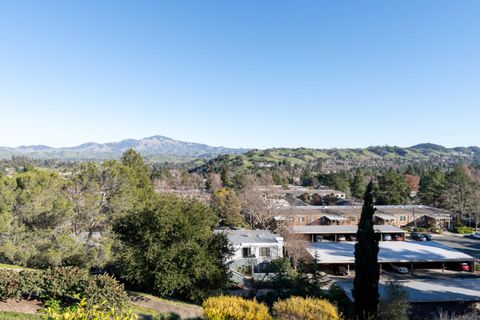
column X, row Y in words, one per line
column 297, row 308
column 169, row 249
column 234, row 308
column 48, row 220
column 64, row 284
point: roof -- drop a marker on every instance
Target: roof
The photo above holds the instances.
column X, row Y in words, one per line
column 238, row 237
column 333, row 229
column 430, row 290
column 390, row 251
column 439, row 216
column 334, row 217
column 384, row 216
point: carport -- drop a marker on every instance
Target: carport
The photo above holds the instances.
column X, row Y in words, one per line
column 404, row 252
column 320, row 233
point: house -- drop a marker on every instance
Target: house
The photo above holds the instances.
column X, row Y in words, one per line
column 252, row 252
column 399, row 216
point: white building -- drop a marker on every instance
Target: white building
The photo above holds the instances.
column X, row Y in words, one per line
column 262, row 245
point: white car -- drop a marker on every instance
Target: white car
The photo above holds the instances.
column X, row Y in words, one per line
column 476, row 235
column 399, row 269
column 387, row 237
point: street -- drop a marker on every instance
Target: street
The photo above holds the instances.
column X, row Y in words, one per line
column 462, row 243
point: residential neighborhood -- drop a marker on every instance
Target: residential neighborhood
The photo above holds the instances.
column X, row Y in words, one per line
column 239, row 160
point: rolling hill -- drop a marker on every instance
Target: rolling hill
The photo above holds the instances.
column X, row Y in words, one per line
column 337, row 159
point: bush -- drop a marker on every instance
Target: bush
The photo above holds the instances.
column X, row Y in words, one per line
column 83, row 312
column 297, row 308
column 464, row 230
column 420, row 229
column 394, row 305
column 234, row 308
column 64, row 284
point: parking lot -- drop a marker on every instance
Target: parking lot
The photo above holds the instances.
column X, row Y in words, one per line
column 466, row 244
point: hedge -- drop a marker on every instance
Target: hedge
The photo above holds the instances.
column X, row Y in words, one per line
column 64, row 284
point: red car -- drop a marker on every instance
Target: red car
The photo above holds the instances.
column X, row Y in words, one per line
column 464, row 267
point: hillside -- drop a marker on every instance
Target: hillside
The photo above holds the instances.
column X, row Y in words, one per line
column 334, row 159
column 155, row 149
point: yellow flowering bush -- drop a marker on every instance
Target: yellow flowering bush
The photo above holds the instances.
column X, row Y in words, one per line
column 297, row 308
column 234, row 308
column 83, row 312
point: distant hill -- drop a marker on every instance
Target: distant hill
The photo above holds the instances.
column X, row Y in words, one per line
column 337, row 159
column 205, row 158
column 155, row 149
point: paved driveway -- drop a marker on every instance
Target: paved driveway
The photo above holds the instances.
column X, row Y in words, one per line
column 462, row 243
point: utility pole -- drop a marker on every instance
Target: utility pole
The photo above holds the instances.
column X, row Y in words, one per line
column 414, row 219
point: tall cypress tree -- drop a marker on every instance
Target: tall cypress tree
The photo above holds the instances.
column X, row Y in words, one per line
column 367, row 270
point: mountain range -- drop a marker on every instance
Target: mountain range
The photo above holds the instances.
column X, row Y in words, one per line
column 155, row 149
column 163, row 149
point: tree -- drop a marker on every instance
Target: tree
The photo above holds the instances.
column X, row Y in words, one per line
column 170, row 249
column 394, row 305
column 225, row 177
column 358, row 185
column 392, row 189
column 84, row 190
column 367, row 270
column 228, row 207
column 459, row 192
column 432, row 186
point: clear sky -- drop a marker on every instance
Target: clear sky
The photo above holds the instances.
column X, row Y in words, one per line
column 241, row 73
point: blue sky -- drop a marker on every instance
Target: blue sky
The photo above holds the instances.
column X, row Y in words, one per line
column 241, row 73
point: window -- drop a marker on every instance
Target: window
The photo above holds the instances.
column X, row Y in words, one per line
column 264, row 252
column 403, row 218
column 301, row 219
column 246, row 252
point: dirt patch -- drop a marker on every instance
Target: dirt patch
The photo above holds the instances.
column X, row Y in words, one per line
column 23, row 306
column 185, row 311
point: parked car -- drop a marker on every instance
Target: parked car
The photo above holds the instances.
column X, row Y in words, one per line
column 387, row 237
column 352, row 238
column 476, row 235
column 464, row 267
column 427, row 236
column 418, row 236
column 342, row 271
column 398, row 237
column 341, row 238
column 399, row 269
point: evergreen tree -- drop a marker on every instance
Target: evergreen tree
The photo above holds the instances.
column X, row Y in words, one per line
column 358, row 185
column 392, row 189
column 367, row 270
column 432, row 185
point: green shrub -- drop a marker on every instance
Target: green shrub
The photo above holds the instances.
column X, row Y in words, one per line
column 463, row 230
column 420, row 229
column 297, row 308
column 18, row 316
column 104, row 288
column 234, row 308
column 62, row 284
column 435, row 230
column 9, row 284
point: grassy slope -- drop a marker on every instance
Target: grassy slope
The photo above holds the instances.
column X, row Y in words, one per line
column 18, row 316
column 256, row 159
